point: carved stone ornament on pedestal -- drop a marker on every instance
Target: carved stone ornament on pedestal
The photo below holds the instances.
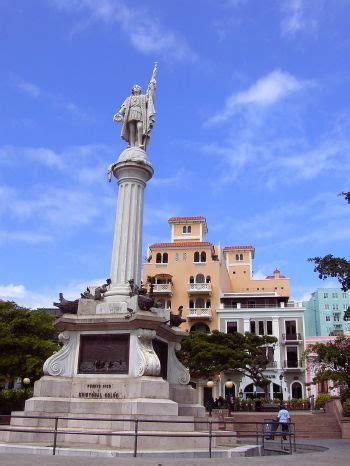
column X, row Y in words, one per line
column 61, row 363
column 147, row 362
column 177, row 372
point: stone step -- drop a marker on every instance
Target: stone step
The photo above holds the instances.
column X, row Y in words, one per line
column 183, row 423
column 121, row 439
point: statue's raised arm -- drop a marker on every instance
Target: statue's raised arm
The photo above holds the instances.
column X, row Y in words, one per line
column 137, row 114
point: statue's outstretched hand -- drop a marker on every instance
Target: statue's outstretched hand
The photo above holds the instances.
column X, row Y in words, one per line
column 118, row 117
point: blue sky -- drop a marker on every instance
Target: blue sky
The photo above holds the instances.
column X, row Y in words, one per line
column 252, row 132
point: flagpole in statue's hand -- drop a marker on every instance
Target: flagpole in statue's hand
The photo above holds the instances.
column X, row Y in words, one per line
column 153, row 82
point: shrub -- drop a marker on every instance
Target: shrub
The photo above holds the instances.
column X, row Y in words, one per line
column 13, row 399
column 344, row 394
column 346, row 408
column 321, row 400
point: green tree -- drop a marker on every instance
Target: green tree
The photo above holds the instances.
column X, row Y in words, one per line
column 208, row 354
column 26, row 341
column 329, row 266
column 332, row 361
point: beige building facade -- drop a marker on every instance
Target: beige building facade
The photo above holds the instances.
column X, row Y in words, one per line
column 217, row 290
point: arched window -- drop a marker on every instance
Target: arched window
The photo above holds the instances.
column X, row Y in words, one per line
column 200, row 278
column 162, row 258
column 208, row 280
column 189, row 229
column 184, row 229
column 196, row 257
column 200, row 303
column 237, row 257
column 191, row 279
column 203, row 256
column 297, row 390
column 241, row 257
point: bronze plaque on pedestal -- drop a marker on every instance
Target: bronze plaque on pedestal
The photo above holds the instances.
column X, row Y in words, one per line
column 104, row 354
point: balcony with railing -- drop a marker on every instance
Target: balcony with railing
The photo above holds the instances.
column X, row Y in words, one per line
column 293, row 364
column 271, row 365
column 162, row 288
column 200, row 288
column 199, row 313
column 291, row 337
column 261, row 305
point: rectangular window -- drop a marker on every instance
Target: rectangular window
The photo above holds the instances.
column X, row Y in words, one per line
column 335, row 307
column 292, row 356
column 328, row 318
column 232, row 327
column 325, row 295
column 291, row 329
column 344, row 295
column 336, row 316
column 269, row 327
column 252, row 326
column 334, row 295
column 326, row 306
column 261, row 327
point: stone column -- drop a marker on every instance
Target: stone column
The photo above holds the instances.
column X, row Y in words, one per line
column 127, row 243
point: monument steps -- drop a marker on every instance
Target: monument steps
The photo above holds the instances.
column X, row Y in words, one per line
column 307, row 424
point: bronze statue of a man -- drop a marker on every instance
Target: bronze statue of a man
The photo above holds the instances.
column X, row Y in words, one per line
column 137, row 114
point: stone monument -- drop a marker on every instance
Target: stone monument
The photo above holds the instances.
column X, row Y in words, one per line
column 118, row 357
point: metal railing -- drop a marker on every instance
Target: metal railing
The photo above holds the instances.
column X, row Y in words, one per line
column 271, row 365
column 260, row 432
column 293, row 364
column 291, row 337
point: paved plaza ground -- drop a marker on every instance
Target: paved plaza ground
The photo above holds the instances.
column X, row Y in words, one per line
column 337, row 454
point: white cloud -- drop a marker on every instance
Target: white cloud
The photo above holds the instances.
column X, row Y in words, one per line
column 23, row 296
column 140, row 25
column 29, row 237
column 174, row 180
column 42, row 155
column 56, row 100
column 300, row 16
column 266, row 91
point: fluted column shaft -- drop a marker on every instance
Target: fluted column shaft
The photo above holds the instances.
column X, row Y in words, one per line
column 127, row 243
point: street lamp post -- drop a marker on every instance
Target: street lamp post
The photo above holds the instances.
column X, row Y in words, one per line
column 210, row 404
column 229, row 398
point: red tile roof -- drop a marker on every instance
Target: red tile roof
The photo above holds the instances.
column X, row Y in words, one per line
column 233, row 248
column 182, row 244
column 276, row 272
column 185, row 219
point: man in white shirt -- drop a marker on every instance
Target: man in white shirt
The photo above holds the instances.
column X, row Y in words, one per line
column 284, row 420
